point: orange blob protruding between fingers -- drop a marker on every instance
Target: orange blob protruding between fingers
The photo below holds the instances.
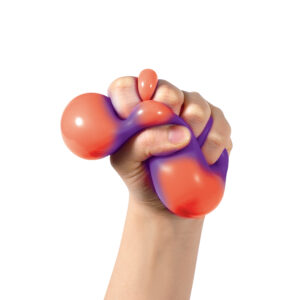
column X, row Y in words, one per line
column 147, row 82
column 189, row 190
column 87, row 126
column 150, row 113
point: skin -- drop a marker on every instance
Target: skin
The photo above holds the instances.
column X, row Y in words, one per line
column 158, row 251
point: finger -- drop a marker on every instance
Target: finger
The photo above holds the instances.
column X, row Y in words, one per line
column 218, row 138
column 151, row 142
column 229, row 146
column 169, row 94
column 123, row 94
column 195, row 111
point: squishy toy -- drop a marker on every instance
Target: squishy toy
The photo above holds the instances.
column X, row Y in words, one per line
column 183, row 181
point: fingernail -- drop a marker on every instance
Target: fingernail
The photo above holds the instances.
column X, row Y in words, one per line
column 178, row 135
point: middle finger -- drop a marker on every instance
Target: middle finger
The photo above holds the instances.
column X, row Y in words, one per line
column 169, row 94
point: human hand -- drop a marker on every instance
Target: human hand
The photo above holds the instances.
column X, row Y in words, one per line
column 158, row 252
column 191, row 107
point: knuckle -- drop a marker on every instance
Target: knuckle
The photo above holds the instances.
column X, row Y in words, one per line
column 147, row 139
column 195, row 113
column 217, row 140
column 227, row 128
column 205, row 108
column 122, row 83
column 230, row 146
column 195, row 95
column 153, row 140
column 196, row 108
column 124, row 109
column 218, row 111
column 224, row 128
column 169, row 94
column 198, row 100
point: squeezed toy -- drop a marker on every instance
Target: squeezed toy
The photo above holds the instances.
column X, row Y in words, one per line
column 183, row 180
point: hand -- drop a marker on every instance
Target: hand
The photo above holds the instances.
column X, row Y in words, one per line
column 192, row 108
column 158, row 252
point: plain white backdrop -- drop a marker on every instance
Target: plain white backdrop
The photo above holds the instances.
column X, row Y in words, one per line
column 61, row 217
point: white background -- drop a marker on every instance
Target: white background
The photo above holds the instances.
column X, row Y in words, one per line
column 61, row 217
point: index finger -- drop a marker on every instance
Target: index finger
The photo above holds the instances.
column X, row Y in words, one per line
column 124, row 96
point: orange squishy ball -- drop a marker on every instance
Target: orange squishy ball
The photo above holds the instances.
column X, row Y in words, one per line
column 87, row 126
column 189, row 190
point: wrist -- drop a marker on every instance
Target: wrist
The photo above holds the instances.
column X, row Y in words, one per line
column 162, row 221
column 157, row 255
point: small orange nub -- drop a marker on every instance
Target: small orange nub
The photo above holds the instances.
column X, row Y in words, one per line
column 147, row 82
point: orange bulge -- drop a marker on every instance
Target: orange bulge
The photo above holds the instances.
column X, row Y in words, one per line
column 189, row 190
column 87, row 126
column 147, row 82
column 151, row 113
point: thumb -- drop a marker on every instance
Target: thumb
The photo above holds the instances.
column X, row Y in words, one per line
column 151, row 142
column 159, row 140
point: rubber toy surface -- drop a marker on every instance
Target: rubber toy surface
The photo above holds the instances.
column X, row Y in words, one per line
column 183, row 180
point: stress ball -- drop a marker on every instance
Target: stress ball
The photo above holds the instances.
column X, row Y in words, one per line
column 183, row 180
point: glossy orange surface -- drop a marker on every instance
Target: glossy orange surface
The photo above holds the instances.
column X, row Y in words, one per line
column 90, row 128
column 147, row 82
column 152, row 113
column 190, row 191
column 87, row 126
